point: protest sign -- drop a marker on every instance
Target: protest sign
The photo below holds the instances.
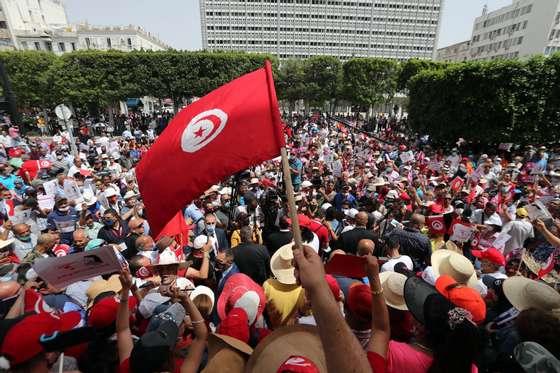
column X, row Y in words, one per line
column 407, row 157
column 434, row 166
column 538, row 210
column 45, row 201
column 461, row 233
column 63, row 271
column 347, row 265
column 72, row 191
column 457, row 184
column 50, row 187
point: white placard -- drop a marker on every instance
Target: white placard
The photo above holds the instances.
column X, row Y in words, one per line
column 46, row 201
column 407, row 157
column 461, row 233
column 63, row 271
column 434, row 166
column 50, row 187
column 72, row 191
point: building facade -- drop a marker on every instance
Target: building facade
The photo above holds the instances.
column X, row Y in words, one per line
column 397, row 29
column 42, row 25
column 454, row 53
column 520, row 30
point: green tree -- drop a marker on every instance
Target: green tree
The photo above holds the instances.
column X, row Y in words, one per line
column 369, row 81
column 290, row 82
column 322, row 78
column 411, row 67
column 31, row 78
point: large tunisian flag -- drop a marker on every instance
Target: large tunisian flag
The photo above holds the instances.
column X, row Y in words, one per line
column 230, row 129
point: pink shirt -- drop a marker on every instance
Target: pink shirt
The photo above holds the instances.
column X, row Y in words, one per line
column 401, row 357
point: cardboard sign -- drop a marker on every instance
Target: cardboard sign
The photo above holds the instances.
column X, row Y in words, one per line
column 461, row 233
column 45, row 201
column 50, row 187
column 538, row 210
column 63, row 271
column 20, row 216
column 347, row 265
column 434, row 166
column 72, row 191
column 407, row 157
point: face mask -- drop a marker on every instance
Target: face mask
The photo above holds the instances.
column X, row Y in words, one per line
column 64, row 209
column 388, row 170
column 109, row 223
column 462, row 168
column 59, row 157
column 227, row 204
column 152, row 255
column 25, row 238
column 210, row 228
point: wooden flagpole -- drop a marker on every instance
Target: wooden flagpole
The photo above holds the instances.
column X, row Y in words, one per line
column 290, row 196
column 275, row 113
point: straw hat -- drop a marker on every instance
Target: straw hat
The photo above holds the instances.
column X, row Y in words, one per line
column 451, row 246
column 281, row 265
column 524, row 293
column 393, row 289
column 102, row 286
column 379, row 181
column 447, row 262
column 168, row 257
column 280, row 345
column 226, row 354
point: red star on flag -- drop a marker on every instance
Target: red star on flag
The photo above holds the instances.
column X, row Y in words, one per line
column 199, row 133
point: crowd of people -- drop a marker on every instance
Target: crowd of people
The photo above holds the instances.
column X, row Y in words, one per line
column 415, row 258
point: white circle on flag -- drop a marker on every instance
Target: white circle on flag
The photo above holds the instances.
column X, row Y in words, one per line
column 202, row 129
column 44, row 164
column 437, row 225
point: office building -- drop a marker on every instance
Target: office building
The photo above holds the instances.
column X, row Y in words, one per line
column 454, row 53
column 42, row 25
column 520, row 30
column 397, row 29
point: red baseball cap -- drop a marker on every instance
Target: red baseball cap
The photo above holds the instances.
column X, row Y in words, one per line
column 491, row 254
column 298, row 364
column 333, row 285
column 104, row 312
column 236, row 325
column 462, row 296
column 359, row 300
column 21, row 337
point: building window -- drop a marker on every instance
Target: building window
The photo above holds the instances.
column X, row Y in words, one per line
column 48, row 46
column 88, row 43
column 109, row 43
column 24, row 44
column 62, row 47
column 129, row 41
column 73, row 47
column 3, row 24
column 37, row 46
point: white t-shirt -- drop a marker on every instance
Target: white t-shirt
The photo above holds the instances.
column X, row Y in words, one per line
column 389, row 266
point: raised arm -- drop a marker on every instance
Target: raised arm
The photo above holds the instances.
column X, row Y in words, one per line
column 342, row 350
column 198, row 345
column 124, row 335
column 380, row 326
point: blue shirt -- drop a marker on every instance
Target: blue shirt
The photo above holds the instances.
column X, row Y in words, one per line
column 8, row 181
column 296, row 164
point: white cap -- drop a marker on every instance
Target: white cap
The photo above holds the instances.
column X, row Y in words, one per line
column 326, row 206
column 167, row 257
column 225, row 190
column 392, row 194
column 306, row 184
column 351, row 213
column 129, row 195
column 203, row 290
column 254, row 181
column 184, row 284
column 200, row 241
column 110, row 192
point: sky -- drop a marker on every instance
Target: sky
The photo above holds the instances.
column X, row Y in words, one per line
column 177, row 22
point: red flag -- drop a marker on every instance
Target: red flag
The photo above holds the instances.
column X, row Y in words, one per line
column 230, row 129
column 436, row 224
column 177, row 228
column 457, row 184
column 549, row 265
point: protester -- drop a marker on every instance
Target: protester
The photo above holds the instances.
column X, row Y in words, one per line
column 417, row 256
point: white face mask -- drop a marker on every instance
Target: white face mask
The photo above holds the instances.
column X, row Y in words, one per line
column 152, row 255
